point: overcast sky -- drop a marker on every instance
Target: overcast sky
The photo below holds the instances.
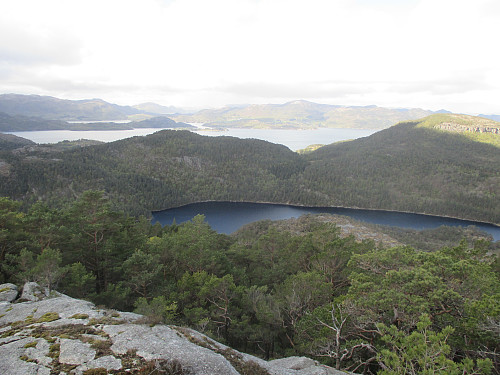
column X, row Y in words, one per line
column 430, row 54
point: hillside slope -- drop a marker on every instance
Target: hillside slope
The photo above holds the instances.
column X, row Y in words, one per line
column 413, row 166
column 165, row 169
column 10, row 142
column 409, row 167
column 51, row 108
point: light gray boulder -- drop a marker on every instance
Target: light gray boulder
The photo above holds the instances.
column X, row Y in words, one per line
column 304, row 366
column 162, row 342
column 39, row 353
column 65, row 307
column 294, row 363
column 8, row 292
column 108, row 362
column 34, row 292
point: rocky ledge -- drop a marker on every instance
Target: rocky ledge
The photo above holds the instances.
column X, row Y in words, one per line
column 51, row 333
column 455, row 127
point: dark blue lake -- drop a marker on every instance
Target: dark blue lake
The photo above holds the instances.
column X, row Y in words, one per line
column 227, row 217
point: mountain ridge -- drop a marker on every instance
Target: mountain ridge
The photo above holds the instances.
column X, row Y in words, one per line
column 406, row 167
column 297, row 114
column 52, row 108
column 303, row 114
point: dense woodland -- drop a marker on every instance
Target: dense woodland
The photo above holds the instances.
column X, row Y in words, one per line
column 406, row 167
column 270, row 289
column 166, row 169
column 411, row 168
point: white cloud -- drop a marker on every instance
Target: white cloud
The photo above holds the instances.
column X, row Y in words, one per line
column 196, row 53
column 26, row 39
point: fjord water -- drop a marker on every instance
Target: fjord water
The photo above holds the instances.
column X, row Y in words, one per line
column 293, row 139
column 227, row 217
column 54, row 136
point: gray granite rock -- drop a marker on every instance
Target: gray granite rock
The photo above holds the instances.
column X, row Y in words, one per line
column 283, row 366
column 75, row 352
column 162, row 342
column 294, row 363
column 78, row 323
column 40, row 352
column 130, row 317
column 34, row 292
column 65, row 306
column 108, row 362
column 8, row 292
column 14, row 359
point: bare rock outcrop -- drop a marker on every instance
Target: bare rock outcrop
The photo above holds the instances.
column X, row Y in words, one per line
column 473, row 128
column 34, row 292
column 69, row 336
column 8, row 292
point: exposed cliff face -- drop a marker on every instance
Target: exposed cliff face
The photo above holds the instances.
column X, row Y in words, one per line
column 41, row 334
column 454, row 127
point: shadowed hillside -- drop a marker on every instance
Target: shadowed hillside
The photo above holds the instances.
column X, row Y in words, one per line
column 166, row 169
column 411, row 167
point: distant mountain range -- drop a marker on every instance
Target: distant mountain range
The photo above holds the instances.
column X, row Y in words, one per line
column 491, row 117
column 298, row 114
column 51, row 108
column 158, row 109
column 303, row 114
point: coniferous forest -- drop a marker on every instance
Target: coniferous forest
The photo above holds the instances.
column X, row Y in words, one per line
column 268, row 289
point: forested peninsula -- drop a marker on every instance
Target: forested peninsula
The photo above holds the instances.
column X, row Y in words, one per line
column 413, row 166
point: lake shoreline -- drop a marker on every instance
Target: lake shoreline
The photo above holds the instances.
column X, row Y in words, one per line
column 375, row 210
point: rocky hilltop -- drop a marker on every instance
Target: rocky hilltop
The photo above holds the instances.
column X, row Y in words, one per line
column 51, row 333
column 450, row 126
column 461, row 123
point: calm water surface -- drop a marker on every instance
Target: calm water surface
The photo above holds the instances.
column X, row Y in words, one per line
column 227, row 217
column 54, row 136
column 293, row 139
